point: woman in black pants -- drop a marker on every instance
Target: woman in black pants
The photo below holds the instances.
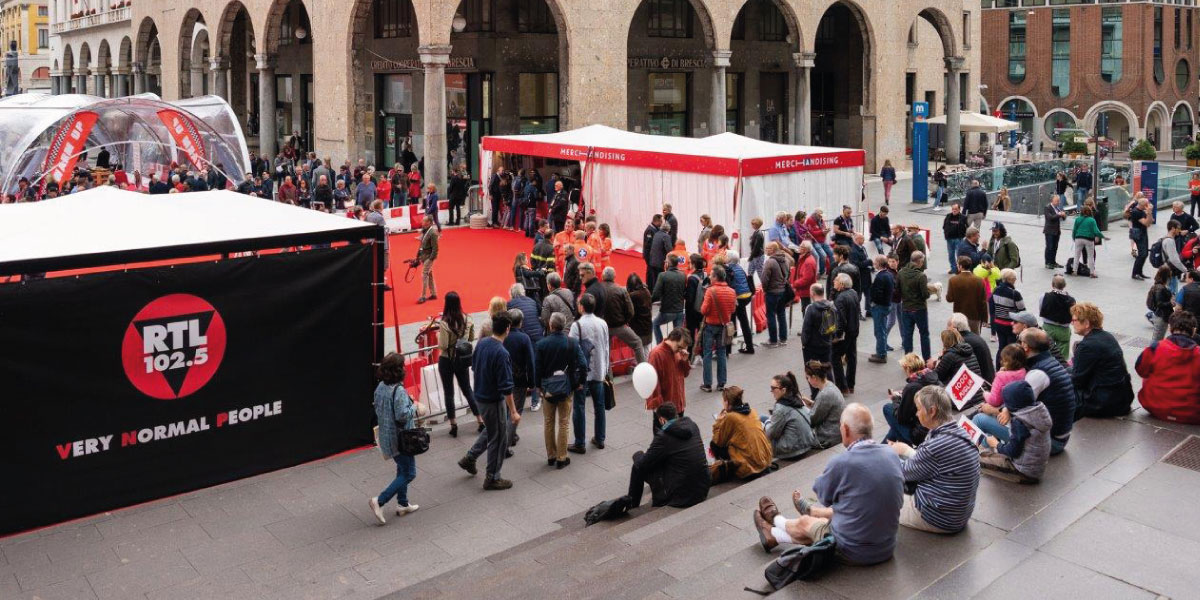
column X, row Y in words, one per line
column 455, row 362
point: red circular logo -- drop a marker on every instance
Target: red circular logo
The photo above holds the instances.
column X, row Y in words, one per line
column 173, row 346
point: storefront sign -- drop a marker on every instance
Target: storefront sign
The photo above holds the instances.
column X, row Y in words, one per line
column 414, row 64
column 667, row 62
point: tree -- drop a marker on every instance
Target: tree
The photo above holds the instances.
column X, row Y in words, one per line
column 1143, row 151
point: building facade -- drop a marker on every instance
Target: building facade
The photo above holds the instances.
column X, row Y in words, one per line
column 27, row 23
column 377, row 79
column 1125, row 70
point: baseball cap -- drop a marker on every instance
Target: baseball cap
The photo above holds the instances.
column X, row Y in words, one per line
column 1025, row 318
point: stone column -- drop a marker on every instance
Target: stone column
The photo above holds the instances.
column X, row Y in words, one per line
column 81, row 76
column 197, row 87
column 100, row 79
column 802, row 132
column 953, row 143
column 266, row 106
column 122, row 82
column 435, row 59
column 219, row 66
column 717, row 108
column 139, row 78
column 54, row 85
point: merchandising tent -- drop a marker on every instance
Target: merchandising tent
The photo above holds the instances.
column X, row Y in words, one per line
column 42, row 134
column 973, row 122
column 628, row 176
column 131, row 382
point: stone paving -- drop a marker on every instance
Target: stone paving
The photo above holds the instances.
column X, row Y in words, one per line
column 1110, row 520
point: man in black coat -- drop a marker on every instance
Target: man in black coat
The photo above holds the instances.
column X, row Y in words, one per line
column 652, row 268
column 674, row 465
column 975, row 204
column 846, row 348
column 1098, row 372
column 1052, row 229
column 669, row 217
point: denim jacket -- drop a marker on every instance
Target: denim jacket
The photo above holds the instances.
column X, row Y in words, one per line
column 392, row 404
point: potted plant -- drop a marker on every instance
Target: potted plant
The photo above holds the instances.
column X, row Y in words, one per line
column 1143, row 151
column 1074, row 149
column 1192, row 153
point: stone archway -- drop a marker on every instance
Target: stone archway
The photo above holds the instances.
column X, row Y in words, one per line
column 234, row 55
column 83, row 69
column 676, row 74
column 193, row 47
column 67, row 73
column 375, row 40
column 767, row 81
column 954, row 90
column 843, row 104
column 100, row 82
column 288, row 72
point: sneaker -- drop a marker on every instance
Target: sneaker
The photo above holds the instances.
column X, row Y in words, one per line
column 577, row 449
column 497, row 484
column 706, row 388
column 421, row 300
column 891, row 349
column 763, row 527
column 468, row 464
column 720, row 387
column 516, row 438
column 508, row 453
column 746, row 350
column 562, row 464
column 771, row 345
column 375, row 508
column 876, row 358
column 536, row 406
column 432, row 297
column 404, row 510
column 782, row 342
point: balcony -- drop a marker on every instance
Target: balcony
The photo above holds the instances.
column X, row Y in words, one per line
column 108, row 17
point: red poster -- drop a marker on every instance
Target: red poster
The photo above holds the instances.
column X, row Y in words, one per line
column 186, row 136
column 67, row 144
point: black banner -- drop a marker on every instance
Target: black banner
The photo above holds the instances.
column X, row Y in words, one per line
column 122, row 387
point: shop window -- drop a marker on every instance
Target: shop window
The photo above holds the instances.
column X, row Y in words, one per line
column 1160, row 74
column 478, row 14
column 733, row 102
column 43, row 38
column 1016, row 46
column 534, row 16
column 1181, row 127
column 966, row 29
column 1057, row 121
column 1183, row 76
column 294, row 27
column 670, row 19
column 1060, row 38
column 539, row 102
column 1178, row 23
column 772, row 27
column 1111, row 47
column 393, row 18
column 669, row 103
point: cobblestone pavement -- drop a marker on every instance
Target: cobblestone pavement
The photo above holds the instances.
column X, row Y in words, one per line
column 1110, row 520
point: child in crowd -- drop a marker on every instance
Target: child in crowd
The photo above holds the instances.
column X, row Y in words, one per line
column 1012, row 370
column 1026, row 448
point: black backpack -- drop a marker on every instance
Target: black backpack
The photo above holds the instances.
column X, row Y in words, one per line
column 1156, row 255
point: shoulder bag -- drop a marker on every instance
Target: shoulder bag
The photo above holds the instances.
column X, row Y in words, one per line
column 610, row 395
column 730, row 330
column 410, row 441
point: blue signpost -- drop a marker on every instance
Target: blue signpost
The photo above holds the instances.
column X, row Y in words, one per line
column 920, row 152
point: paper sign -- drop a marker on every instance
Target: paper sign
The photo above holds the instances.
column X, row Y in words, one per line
column 973, row 432
column 963, row 386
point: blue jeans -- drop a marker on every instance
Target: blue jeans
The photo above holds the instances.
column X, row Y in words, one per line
column 712, row 341
column 920, row 319
column 990, row 425
column 896, row 431
column 939, row 197
column 1081, row 195
column 952, row 250
column 675, row 319
column 879, row 314
column 823, row 253
column 777, row 328
column 406, row 471
column 878, row 245
column 1173, row 285
column 893, row 317
column 579, row 413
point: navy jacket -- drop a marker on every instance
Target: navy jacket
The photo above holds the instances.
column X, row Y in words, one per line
column 520, row 353
column 1059, row 397
column 530, row 323
column 493, row 371
column 557, row 352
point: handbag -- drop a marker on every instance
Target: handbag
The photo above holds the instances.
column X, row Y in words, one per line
column 411, row 441
column 556, row 387
column 610, row 395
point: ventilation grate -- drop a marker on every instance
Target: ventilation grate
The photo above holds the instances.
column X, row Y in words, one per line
column 1186, row 455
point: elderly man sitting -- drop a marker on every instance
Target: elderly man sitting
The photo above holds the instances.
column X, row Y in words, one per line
column 862, row 490
column 945, row 469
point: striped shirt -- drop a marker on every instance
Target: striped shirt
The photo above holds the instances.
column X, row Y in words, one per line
column 945, row 470
column 1005, row 301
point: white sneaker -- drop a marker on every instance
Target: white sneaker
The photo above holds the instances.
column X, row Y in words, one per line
column 374, row 503
column 404, row 510
column 536, row 406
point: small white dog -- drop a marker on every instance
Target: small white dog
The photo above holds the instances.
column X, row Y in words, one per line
column 935, row 289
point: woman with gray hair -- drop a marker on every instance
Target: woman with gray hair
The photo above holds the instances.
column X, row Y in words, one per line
column 743, row 288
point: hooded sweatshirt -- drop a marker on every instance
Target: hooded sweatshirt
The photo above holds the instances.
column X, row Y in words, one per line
column 740, row 431
column 790, row 428
column 1029, row 430
column 677, row 455
column 953, row 359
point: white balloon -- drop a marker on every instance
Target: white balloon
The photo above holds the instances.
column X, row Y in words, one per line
column 645, row 379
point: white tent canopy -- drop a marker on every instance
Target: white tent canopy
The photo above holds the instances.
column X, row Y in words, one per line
column 973, row 122
column 627, row 177
column 106, row 220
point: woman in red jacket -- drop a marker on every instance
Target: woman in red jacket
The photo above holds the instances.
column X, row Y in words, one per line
column 414, row 184
column 1170, row 371
column 805, row 273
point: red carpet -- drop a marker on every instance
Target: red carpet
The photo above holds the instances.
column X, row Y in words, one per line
column 476, row 263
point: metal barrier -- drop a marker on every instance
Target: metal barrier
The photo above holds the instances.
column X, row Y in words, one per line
column 475, row 199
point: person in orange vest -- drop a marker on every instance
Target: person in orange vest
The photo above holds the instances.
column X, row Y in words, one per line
column 584, row 252
column 712, row 246
column 563, row 239
column 602, row 242
column 680, row 255
column 1194, row 187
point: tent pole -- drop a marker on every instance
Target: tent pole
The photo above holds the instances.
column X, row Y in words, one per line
column 395, row 311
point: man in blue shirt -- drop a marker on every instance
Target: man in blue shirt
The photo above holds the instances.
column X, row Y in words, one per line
column 862, row 491
column 779, row 231
column 494, row 396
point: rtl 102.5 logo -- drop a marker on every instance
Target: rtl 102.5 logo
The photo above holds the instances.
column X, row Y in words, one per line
column 173, row 346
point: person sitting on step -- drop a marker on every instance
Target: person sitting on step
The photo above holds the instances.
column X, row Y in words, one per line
column 738, row 441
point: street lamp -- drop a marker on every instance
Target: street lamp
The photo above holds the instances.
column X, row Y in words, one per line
column 459, row 23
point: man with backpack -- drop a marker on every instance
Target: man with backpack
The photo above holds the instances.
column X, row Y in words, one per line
column 845, row 348
column 563, row 371
column 592, row 333
column 819, row 327
column 1166, row 251
column 1003, row 249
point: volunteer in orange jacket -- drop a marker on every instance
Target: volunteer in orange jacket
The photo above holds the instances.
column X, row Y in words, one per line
column 601, row 241
column 562, row 239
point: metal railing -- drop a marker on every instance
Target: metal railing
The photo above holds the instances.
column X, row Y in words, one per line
column 107, row 17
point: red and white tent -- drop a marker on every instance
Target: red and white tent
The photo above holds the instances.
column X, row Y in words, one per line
column 628, row 176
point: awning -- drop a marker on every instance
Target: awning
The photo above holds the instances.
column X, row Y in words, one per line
column 977, row 123
column 724, row 154
column 109, row 223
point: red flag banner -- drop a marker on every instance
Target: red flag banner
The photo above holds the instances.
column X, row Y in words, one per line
column 186, row 136
column 67, row 144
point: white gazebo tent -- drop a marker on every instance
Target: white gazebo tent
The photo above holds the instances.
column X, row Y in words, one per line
column 973, row 122
column 627, row 177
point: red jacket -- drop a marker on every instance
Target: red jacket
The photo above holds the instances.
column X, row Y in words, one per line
column 720, row 302
column 804, row 275
column 1170, row 371
column 1191, row 251
column 671, row 373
